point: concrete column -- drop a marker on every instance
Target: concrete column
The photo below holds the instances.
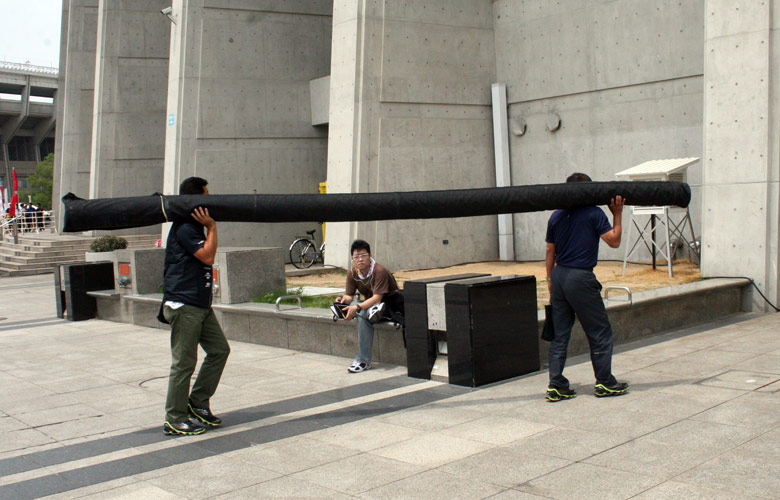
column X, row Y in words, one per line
column 410, row 110
column 506, row 234
column 345, row 128
column 76, row 93
column 131, row 81
column 11, row 128
column 59, row 111
column 741, row 143
column 238, row 110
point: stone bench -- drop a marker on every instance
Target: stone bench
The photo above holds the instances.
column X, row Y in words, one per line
column 313, row 330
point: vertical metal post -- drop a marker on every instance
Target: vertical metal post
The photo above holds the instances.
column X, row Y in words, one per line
column 668, row 243
column 628, row 240
column 652, row 238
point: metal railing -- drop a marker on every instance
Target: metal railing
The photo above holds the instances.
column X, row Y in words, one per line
column 29, row 68
column 39, row 221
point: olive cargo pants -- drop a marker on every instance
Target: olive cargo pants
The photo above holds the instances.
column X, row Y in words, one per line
column 191, row 326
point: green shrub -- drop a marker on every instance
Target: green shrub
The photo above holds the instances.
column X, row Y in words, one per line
column 108, row 243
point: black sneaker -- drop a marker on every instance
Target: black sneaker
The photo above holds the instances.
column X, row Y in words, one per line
column 559, row 393
column 204, row 415
column 188, row 428
column 606, row 390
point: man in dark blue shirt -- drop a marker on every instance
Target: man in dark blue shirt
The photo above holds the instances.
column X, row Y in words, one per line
column 189, row 255
column 572, row 253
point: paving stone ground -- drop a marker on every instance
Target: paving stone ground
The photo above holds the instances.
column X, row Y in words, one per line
column 81, row 408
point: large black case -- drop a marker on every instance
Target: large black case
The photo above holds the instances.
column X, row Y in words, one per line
column 73, row 281
column 491, row 329
column 420, row 342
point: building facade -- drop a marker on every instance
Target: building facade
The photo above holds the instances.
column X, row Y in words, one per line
column 395, row 95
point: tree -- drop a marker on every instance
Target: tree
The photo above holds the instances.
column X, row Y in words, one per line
column 40, row 184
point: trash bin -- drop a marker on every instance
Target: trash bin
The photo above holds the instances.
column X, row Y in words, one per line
column 489, row 324
column 73, row 281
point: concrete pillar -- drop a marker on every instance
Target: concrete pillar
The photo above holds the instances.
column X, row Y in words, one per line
column 741, row 143
column 346, row 138
column 76, row 96
column 506, row 234
column 59, row 111
column 238, row 111
column 131, row 82
column 410, row 109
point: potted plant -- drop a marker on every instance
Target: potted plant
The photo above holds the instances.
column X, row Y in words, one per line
column 102, row 248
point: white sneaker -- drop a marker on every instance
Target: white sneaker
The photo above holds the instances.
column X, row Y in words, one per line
column 375, row 312
column 356, row 367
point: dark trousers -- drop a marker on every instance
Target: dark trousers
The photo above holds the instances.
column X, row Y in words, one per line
column 578, row 292
column 191, row 326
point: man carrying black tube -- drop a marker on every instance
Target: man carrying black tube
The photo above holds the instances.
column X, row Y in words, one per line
column 572, row 253
column 189, row 255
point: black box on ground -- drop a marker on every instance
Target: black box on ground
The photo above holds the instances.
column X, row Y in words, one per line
column 421, row 342
column 73, row 281
column 491, row 329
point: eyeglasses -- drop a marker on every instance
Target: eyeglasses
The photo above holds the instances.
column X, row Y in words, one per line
column 361, row 256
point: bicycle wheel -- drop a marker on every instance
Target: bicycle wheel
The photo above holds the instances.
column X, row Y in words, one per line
column 322, row 252
column 302, row 253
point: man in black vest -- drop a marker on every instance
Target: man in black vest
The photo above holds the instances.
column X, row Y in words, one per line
column 186, row 305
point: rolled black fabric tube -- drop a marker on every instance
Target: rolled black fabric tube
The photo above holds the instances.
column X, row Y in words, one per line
column 139, row 211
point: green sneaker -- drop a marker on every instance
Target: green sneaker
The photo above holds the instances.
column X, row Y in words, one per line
column 604, row 390
column 188, row 428
column 559, row 393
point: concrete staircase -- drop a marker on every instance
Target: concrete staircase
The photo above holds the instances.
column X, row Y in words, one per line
column 38, row 253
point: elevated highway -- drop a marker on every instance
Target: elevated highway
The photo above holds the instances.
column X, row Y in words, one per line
column 27, row 116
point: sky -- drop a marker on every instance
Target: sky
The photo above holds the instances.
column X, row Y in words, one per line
column 30, row 31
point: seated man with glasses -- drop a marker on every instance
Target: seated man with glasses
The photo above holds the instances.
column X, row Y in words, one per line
column 373, row 282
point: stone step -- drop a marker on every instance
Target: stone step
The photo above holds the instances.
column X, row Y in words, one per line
column 12, row 274
column 47, row 259
column 6, row 247
column 131, row 240
column 29, row 266
column 32, row 254
column 82, row 246
column 38, row 254
column 34, row 248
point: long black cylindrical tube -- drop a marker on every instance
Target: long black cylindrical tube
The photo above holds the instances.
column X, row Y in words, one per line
column 139, row 211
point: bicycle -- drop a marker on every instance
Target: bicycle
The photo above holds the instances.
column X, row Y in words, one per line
column 304, row 252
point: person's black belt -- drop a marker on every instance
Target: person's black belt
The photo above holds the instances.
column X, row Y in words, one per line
column 578, row 268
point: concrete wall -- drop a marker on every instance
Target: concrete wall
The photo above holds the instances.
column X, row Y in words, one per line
column 742, row 142
column 630, row 80
column 131, row 79
column 238, row 102
column 76, row 91
column 410, row 110
column 624, row 77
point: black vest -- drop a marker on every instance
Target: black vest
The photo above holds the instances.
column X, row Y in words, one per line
column 187, row 280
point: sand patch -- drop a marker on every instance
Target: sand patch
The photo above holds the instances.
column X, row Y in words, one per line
column 639, row 277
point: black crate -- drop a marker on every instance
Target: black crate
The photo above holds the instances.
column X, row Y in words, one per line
column 491, row 329
column 73, row 281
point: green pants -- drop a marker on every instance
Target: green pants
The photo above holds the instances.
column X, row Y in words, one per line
column 191, row 326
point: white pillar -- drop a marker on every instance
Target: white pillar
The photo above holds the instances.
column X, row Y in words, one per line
column 506, row 234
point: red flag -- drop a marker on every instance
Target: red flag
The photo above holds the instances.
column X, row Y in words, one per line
column 15, row 199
